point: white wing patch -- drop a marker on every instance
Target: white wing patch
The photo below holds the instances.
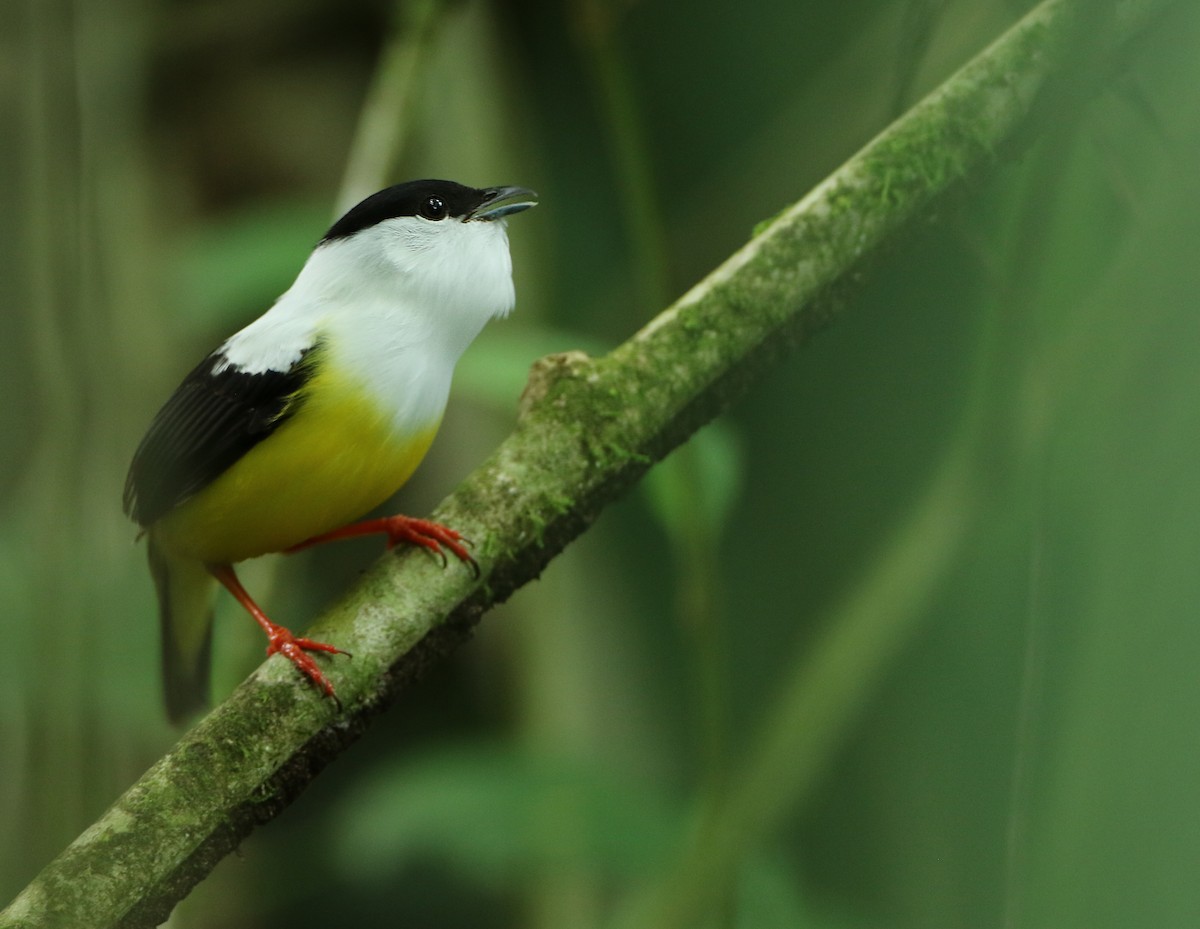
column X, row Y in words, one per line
column 273, row 342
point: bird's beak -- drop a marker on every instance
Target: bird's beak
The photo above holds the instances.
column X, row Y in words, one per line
column 503, row 201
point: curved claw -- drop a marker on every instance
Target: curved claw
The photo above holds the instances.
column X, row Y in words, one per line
column 432, row 536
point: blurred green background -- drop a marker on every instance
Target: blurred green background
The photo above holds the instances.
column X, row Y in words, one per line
column 908, row 639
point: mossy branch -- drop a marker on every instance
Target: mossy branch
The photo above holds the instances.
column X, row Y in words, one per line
column 588, row 429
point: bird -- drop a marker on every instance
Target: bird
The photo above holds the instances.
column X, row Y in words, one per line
column 317, row 412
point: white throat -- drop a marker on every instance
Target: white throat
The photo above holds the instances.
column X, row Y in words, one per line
column 394, row 306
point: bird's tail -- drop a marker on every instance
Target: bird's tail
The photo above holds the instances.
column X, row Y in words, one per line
column 185, row 594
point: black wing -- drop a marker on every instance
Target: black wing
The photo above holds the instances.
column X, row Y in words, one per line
column 211, row 421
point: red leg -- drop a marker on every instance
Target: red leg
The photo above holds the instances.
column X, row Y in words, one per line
column 279, row 639
column 423, row 532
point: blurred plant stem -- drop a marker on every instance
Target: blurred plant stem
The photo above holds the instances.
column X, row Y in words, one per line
column 387, row 113
column 829, row 683
column 595, row 27
column 695, row 548
column 81, row 285
column 1020, row 345
column 40, row 517
column 918, row 27
column 692, row 535
column 694, row 544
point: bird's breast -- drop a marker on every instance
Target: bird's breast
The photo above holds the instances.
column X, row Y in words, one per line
column 349, row 445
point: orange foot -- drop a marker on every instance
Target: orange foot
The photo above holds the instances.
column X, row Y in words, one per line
column 430, row 535
column 280, row 639
column 296, row 649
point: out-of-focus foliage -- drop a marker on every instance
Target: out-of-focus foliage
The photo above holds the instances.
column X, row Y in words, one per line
column 927, row 599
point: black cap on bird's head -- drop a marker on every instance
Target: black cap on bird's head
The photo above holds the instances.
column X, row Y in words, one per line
column 433, row 200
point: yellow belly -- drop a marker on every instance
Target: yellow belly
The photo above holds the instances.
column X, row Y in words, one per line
column 334, row 460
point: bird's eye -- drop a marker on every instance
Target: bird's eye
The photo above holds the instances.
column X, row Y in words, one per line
column 433, row 208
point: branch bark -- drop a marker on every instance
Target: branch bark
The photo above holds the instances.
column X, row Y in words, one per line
column 589, row 428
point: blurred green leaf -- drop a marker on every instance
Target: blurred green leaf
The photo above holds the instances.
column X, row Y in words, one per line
column 769, row 896
column 694, row 489
column 501, row 813
column 495, row 370
column 232, row 268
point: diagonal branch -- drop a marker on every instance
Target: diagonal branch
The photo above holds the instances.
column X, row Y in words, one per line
column 589, row 428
